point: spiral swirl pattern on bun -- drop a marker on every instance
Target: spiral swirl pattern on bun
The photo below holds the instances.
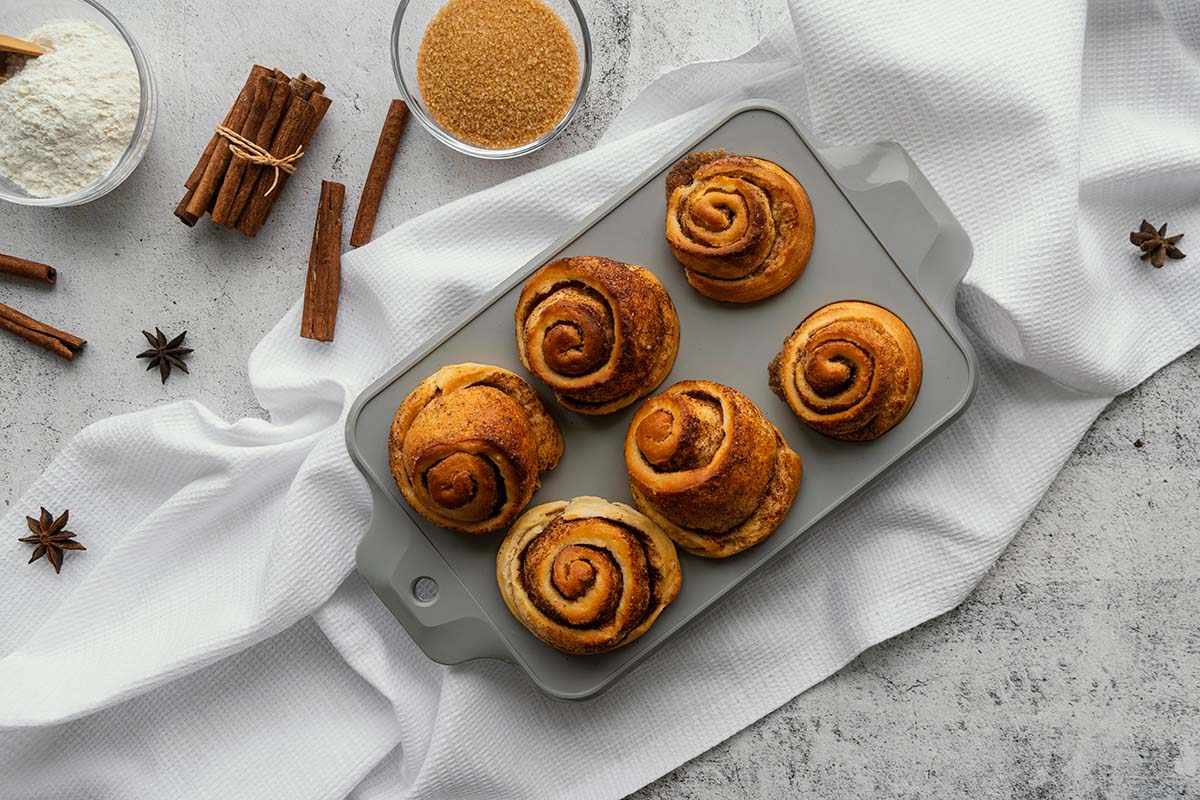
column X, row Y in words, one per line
column 598, row 332
column 468, row 446
column 587, row 576
column 741, row 226
column 707, row 466
column 851, row 371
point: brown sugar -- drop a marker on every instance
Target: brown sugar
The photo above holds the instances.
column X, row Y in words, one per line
column 497, row 73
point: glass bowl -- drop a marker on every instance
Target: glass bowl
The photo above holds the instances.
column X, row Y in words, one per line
column 18, row 17
column 414, row 16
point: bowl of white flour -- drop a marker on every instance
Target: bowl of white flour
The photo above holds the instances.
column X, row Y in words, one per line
column 76, row 121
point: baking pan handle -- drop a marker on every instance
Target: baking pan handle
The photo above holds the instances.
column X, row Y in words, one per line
column 418, row 587
column 907, row 216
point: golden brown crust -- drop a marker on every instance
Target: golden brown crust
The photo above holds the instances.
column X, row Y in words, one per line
column 684, row 170
column 598, row 332
column 851, row 371
column 468, row 446
column 707, row 466
column 741, row 226
column 587, row 576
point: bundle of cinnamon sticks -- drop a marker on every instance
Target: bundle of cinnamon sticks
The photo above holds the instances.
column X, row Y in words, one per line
column 278, row 115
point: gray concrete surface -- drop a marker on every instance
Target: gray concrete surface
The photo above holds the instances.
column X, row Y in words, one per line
column 1072, row 671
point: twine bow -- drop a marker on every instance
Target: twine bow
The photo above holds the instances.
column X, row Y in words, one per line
column 242, row 147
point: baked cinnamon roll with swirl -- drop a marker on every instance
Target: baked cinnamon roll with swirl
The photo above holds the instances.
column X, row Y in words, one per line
column 707, row 466
column 598, row 332
column 850, row 371
column 468, row 446
column 587, row 576
column 741, row 226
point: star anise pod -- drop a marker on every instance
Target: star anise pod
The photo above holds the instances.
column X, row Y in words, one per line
column 51, row 537
column 1156, row 246
column 165, row 354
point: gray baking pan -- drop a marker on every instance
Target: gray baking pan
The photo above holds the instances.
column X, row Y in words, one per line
column 882, row 235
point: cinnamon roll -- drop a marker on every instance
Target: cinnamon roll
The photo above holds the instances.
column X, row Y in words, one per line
column 599, row 333
column 468, row 446
column 587, row 576
column 742, row 227
column 707, row 466
column 851, row 371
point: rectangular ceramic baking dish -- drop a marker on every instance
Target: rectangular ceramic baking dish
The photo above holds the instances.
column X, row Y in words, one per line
column 882, row 235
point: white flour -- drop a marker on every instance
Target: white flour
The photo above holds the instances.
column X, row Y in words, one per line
column 67, row 117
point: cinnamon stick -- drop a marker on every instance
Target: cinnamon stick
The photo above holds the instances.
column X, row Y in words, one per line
column 218, row 162
column 264, row 91
column 377, row 175
column 266, row 133
column 318, row 87
column 21, row 268
column 291, row 133
column 323, row 286
column 302, row 87
column 58, row 342
column 320, row 104
column 193, row 180
column 181, row 210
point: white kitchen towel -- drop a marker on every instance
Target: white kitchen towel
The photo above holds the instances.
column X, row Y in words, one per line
column 214, row 642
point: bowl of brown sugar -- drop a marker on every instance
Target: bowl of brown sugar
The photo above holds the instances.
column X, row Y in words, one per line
column 492, row 78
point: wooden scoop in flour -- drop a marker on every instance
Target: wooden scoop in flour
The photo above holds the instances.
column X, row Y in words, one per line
column 10, row 44
column 18, row 51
